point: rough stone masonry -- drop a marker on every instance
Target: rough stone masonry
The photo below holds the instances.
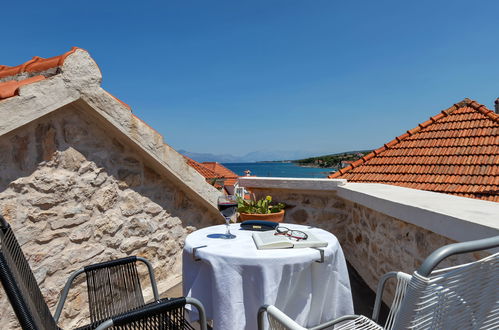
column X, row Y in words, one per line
column 74, row 197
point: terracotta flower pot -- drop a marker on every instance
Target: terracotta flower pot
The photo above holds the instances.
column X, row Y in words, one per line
column 276, row 217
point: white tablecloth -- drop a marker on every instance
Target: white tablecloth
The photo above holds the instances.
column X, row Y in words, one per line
column 233, row 279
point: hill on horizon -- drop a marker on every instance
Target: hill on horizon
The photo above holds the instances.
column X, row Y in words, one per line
column 333, row 160
column 255, row 156
column 298, row 157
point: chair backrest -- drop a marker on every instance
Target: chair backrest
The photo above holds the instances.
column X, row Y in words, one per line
column 20, row 284
column 113, row 288
column 460, row 297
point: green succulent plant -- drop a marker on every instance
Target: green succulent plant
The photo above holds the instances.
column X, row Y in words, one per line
column 261, row 206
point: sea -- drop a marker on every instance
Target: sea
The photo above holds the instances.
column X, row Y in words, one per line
column 282, row 170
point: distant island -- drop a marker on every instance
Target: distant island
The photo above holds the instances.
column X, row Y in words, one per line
column 336, row 161
column 251, row 157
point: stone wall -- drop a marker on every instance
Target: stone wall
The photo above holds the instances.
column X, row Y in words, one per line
column 76, row 194
column 374, row 243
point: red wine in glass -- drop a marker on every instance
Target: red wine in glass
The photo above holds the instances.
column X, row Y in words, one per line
column 227, row 205
column 228, row 210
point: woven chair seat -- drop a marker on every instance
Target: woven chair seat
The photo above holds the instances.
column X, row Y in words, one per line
column 360, row 323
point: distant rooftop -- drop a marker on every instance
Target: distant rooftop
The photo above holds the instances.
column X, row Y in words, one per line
column 213, row 171
column 455, row 152
column 203, row 170
column 230, row 177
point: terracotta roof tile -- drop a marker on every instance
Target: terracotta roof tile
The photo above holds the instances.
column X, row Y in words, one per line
column 454, row 152
column 230, row 182
column 11, row 87
column 220, row 169
column 214, row 170
column 12, row 74
column 36, row 64
column 203, row 170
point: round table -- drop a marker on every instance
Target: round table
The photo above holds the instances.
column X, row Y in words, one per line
column 232, row 278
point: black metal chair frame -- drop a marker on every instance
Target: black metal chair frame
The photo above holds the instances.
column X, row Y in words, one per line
column 33, row 313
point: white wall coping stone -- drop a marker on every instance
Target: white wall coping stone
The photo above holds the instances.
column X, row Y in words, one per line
column 291, row 183
column 458, row 218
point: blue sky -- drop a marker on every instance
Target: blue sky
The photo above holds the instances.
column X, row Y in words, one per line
column 240, row 76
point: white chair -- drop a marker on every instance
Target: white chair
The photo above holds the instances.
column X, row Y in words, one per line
column 460, row 297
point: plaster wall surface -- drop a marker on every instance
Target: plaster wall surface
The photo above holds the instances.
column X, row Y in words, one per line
column 76, row 193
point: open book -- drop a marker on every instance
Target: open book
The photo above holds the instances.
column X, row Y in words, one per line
column 267, row 240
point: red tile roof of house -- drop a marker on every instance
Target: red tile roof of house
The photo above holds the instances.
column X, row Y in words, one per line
column 230, row 182
column 13, row 77
column 203, row 170
column 455, row 152
column 220, row 169
column 214, row 170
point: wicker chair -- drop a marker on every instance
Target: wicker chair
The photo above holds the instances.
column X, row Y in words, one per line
column 460, row 297
column 115, row 294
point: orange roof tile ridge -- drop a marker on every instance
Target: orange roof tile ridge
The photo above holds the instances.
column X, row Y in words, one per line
column 203, row 170
column 25, row 64
column 484, row 110
column 11, row 88
column 220, row 169
column 398, row 139
column 36, row 64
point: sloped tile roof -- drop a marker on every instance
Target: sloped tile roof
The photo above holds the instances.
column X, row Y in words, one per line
column 214, row 170
column 36, row 69
column 455, row 152
column 220, row 169
column 230, row 181
column 203, row 170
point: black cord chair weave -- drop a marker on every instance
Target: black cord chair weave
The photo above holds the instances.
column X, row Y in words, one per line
column 113, row 287
column 115, row 294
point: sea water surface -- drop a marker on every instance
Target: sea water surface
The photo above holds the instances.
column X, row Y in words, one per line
column 283, row 170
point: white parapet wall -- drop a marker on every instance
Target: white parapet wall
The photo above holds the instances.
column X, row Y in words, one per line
column 291, row 183
column 458, row 218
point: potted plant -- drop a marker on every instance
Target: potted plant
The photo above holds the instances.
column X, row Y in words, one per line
column 261, row 209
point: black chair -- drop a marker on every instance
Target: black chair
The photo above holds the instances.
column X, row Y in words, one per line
column 114, row 290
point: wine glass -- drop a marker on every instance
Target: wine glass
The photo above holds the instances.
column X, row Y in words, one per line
column 227, row 205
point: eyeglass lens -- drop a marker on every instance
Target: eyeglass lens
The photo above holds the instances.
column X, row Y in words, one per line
column 297, row 234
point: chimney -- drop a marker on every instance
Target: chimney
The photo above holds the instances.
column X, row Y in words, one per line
column 496, row 105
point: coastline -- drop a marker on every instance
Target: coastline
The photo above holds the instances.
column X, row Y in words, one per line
column 315, row 166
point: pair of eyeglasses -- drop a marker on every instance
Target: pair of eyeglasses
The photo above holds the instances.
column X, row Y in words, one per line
column 296, row 234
